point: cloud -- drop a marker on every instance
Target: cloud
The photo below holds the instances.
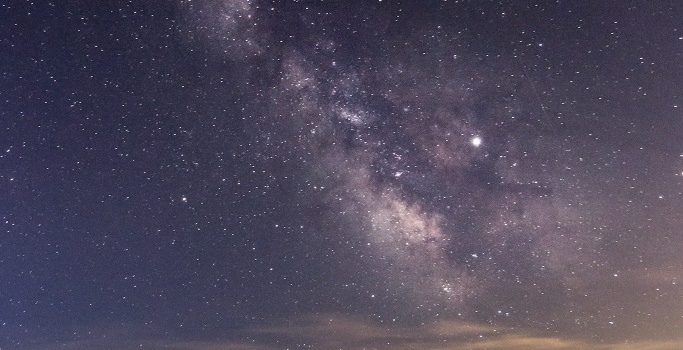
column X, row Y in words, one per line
column 341, row 331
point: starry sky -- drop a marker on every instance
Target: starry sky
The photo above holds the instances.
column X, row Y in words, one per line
column 244, row 174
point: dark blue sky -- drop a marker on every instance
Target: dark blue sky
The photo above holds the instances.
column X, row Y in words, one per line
column 258, row 175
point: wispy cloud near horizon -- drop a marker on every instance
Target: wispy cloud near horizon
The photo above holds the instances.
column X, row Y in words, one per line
column 336, row 331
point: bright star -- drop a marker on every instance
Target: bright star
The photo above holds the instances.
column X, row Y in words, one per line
column 476, row 141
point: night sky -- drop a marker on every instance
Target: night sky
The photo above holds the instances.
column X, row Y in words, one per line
column 243, row 174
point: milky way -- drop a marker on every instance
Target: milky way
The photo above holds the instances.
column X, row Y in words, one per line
column 446, row 220
column 259, row 175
